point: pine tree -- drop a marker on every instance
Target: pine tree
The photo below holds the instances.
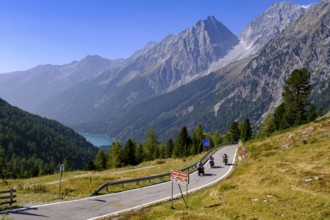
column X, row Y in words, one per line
column 150, row 145
column 233, row 132
column 245, row 130
column 66, row 164
column 311, row 114
column 319, row 112
column 139, row 154
column 279, row 119
column 89, row 166
column 169, row 148
column 113, row 157
column 2, row 164
column 99, row 161
column 182, row 143
column 217, row 138
column 162, row 151
column 295, row 96
column 267, row 127
column 157, row 152
column 197, row 140
column 128, row 153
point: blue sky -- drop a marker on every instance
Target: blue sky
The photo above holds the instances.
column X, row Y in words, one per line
column 34, row 32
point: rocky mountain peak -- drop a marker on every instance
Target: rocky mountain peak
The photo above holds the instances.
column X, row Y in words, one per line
column 178, row 59
column 303, row 43
column 261, row 30
column 270, row 23
column 92, row 58
column 210, row 20
column 211, row 27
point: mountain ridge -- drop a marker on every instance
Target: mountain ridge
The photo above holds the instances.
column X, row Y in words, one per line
column 197, row 55
column 29, row 89
column 149, row 72
column 32, row 145
column 222, row 87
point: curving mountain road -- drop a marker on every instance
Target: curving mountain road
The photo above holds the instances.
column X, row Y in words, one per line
column 111, row 204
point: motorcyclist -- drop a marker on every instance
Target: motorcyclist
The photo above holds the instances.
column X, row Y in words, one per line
column 200, row 168
column 225, row 159
column 211, row 159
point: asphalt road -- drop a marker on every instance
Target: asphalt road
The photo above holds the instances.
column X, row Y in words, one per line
column 115, row 203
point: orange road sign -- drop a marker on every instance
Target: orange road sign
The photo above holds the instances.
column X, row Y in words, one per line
column 179, row 176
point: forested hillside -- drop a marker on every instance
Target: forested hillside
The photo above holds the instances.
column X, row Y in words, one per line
column 31, row 145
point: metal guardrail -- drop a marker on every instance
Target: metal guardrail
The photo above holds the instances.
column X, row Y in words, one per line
column 10, row 197
column 204, row 160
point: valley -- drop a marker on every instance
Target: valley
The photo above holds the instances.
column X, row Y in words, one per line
column 98, row 140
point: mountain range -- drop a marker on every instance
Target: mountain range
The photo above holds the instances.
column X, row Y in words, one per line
column 204, row 75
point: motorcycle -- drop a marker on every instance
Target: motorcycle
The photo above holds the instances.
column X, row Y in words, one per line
column 200, row 170
column 225, row 160
column 211, row 163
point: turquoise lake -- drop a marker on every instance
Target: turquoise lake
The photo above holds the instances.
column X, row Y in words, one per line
column 97, row 140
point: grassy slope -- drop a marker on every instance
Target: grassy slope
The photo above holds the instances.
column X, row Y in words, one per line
column 283, row 177
column 286, row 176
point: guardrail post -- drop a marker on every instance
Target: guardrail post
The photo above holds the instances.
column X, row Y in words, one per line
column 11, row 197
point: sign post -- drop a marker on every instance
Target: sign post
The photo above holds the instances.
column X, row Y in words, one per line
column 181, row 178
column 59, row 186
column 90, row 182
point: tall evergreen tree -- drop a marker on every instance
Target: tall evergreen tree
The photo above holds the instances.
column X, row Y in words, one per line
column 234, row 132
column 311, row 114
column 197, row 140
column 279, row 122
column 89, row 166
column 66, row 164
column 245, row 130
column 169, row 148
column 162, row 151
column 2, row 164
column 139, row 154
column 150, row 145
column 182, row 143
column 128, row 153
column 267, row 127
column 100, row 160
column 157, row 152
column 113, row 158
column 319, row 112
column 295, row 96
column 217, row 138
